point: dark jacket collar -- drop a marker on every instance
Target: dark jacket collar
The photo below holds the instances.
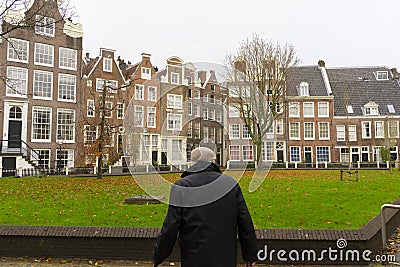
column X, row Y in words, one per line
column 201, row 166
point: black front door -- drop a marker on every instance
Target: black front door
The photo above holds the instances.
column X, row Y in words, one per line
column 164, row 158
column 154, row 158
column 14, row 134
column 9, row 166
column 279, row 155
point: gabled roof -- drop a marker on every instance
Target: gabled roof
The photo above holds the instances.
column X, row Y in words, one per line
column 357, row 87
column 309, row 74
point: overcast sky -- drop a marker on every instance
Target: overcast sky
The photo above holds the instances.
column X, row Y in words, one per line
column 341, row 32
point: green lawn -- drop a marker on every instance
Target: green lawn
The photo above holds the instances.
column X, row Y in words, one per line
column 286, row 199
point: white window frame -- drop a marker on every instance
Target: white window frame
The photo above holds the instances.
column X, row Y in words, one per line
column 382, row 75
column 18, row 50
column 174, row 101
column 151, row 110
column 279, row 126
column 71, row 138
column 90, row 112
column 234, row 111
column 326, row 148
column 396, row 129
column 176, row 120
column 340, row 133
column 41, row 124
column 85, row 136
column 107, row 64
column 306, row 136
column 174, row 78
column 320, row 128
column 379, row 133
column 68, row 58
column 45, row 26
column 352, row 133
column 38, row 59
column 234, row 131
column 365, row 134
column 138, row 120
column 291, row 136
column 120, row 111
column 72, row 96
column 245, row 132
column 36, row 74
column 146, row 73
column 139, row 92
column 151, row 96
column 248, row 157
column 292, row 154
column 304, row 89
column 23, row 87
column 236, row 151
column 308, row 107
column 322, row 108
column 294, row 110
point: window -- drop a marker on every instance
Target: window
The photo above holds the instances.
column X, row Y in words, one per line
column 108, row 108
column 234, row 131
column 66, row 87
column 139, row 116
column 44, row 55
column 196, row 94
column 233, row 91
column 295, row 154
column 205, row 113
column 196, row 131
column 308, row 109
column 146, row 73
column 90, row 108
column 44, row 158
column 18, row 50
column 174, row 78
column 294, row 109
column 219, row 136
column 344, row 154
column 174, row 101
column 309, row 131
column 377, row 153
column 139, row 92
column 16, row 81
column 205, row 132
column 234, row 111
column 176, row 149
column 379, row 131
column 340, row 133
column 234, row 153
column 68, row 58
column 323, row 154
column 111, row 85
column 151, row 117
column 212, row 87
column 365, row 154
column 212, row 99
column 196, row 110
column 279, row 127
column 152, row 93
column 350, row 110
column 323, row 131
column 323, row 109
column 382, row 75
column 190, row 108
column 218, row 116
column 174, row 122
column 267, row 150
column 107, row 64
column 212, row 133
column 391, row 109
column 41, row 124
column 294, row 130
column 303, row 91
column 15, row 113
column 371, row 111
column 212, row 114
column 66, row 125
column 42, row 84
column 205, row 98
column 247, row 153
column 190, row 129
column 352, row 133
column 90, row 134
column 393, row 129
column 245, row 132
column 45, row 25
column 366, row 129
column 66, row 157
column 120, row 111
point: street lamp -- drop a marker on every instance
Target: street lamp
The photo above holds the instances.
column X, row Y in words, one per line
column 59, row 156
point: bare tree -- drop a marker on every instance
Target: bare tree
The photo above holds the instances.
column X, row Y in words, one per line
column 256, row 80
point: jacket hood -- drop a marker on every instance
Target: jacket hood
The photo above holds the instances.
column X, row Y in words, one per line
column 201, row 166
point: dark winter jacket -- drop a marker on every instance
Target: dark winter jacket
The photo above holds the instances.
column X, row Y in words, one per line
column 207, row 225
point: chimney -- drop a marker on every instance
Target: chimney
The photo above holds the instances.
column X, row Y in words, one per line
column 87, row 57
column 321, row 63
column 122, row 64
column 212, row 72
column 240, row 65
column 146, row 56
column 395, row 74
column 202, row 75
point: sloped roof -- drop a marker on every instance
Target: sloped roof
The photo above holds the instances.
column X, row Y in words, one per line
column 358, row 86
column 309, row 74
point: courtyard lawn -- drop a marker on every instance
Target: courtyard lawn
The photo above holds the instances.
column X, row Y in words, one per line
column 286, row 199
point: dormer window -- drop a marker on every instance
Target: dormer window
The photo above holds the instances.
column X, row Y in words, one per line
column 350, row 110
column 391, row 109
column 107, row 64
column 303, row 91
column 146, row 73
column 371, row 109
column 382, row 75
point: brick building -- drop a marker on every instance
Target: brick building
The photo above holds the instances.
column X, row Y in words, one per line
column 39, row 95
